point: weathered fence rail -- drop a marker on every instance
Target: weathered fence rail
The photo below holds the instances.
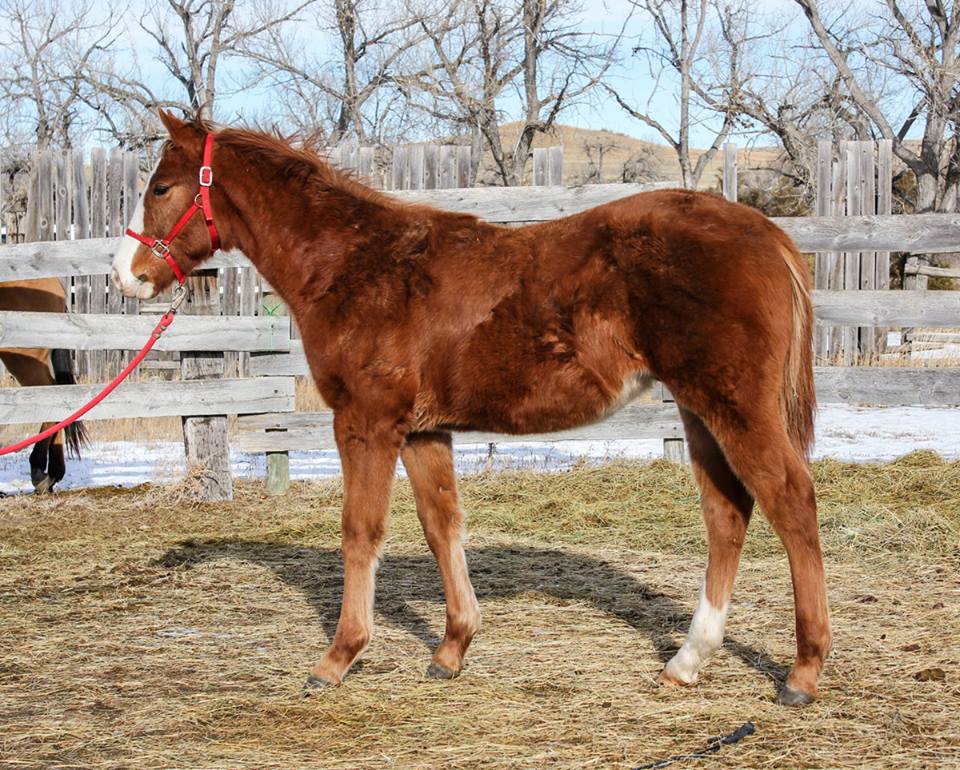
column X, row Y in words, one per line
column 88, row 331
column 150, row 399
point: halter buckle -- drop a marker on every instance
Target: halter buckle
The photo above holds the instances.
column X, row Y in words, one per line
column 160, row 250
column 206, row 176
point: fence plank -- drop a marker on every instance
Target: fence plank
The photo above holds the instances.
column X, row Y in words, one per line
column 63, row 162
column 365, row 166
column 131, row 196
column 884, row 204
column 555, row 166
column 45, row 222
column 96, row 370
column 823, row 261
column 77, row 331
column 851, row 259
column 82, row 284
column 415, row 181
column 870, row 338
column 431, row 172
column 730, row 171
column 150, row 399
column 540, row 166
column 465, row 177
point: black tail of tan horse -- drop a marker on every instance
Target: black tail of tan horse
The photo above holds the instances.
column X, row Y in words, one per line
column 75, row 433
column 32, row 366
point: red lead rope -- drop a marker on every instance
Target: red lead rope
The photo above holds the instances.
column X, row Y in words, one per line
column 160, row 248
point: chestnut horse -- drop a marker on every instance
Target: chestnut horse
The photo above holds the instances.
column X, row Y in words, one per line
column 32, row 366
column 417, row 322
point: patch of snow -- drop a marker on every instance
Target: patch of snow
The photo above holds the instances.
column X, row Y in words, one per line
column 857, row 434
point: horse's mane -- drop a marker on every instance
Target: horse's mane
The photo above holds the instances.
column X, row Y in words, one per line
column 296, row 158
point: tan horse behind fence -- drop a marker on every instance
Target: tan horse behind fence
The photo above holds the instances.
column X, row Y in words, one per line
column 417, row 322
column 32, row 366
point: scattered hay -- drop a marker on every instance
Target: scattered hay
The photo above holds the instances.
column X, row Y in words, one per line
column 144, row 629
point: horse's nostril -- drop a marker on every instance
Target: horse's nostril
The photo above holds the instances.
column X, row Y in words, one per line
column 143, row 278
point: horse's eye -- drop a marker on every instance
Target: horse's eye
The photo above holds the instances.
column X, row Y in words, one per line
column 161, row 189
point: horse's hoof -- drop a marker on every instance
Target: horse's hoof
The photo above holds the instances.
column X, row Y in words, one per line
column 314, row 684
column 668, row 680
column 44, row 485
column 790, row 697
column 436, row 671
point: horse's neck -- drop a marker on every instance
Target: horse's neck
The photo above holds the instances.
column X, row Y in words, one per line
column 293, row 237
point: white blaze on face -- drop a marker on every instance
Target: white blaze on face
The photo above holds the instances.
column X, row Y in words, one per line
column 122, row 272
column 703, row 639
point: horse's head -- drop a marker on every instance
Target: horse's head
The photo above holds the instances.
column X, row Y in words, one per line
column 172, row 190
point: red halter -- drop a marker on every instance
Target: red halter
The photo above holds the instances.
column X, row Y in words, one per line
column 201, row 202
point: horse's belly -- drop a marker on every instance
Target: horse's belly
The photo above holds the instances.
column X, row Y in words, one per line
column 552, row 407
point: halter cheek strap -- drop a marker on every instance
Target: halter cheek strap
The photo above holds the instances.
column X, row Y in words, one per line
column 201, row 202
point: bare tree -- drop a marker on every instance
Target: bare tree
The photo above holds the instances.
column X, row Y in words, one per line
column 915, row 47
column 350, row 94
column 192, row 40
column 48, row 50
column 482, row 52
column 775, row 82
column 678, row 48
column 596, row 148
column 641, row 166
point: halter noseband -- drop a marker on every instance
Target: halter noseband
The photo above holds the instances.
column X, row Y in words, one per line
column 201, row 202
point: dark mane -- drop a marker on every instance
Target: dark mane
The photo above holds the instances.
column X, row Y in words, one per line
column 304, row 163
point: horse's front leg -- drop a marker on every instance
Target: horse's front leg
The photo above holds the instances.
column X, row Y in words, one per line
column 368, row 452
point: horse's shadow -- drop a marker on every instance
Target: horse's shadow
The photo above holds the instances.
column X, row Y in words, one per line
column 498, row 572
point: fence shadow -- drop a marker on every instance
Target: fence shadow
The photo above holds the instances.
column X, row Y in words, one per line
column 498, row 572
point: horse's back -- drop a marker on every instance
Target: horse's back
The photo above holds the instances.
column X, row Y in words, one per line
column 35, row 294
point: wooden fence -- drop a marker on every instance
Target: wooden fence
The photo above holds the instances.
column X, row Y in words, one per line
column 265, row 399
column 237, row 354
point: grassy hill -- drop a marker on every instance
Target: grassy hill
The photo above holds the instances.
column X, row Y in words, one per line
column 582, row 148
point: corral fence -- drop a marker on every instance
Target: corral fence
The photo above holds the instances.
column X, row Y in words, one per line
column 264, row 401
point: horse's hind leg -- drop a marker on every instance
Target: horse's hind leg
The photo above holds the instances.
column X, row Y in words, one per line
column 726, row 507
column 428, row 458
column 760, row 452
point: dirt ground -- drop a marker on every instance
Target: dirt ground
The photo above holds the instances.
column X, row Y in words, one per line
column 142, row 630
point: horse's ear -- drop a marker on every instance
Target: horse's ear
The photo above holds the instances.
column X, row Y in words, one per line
column 181, row 132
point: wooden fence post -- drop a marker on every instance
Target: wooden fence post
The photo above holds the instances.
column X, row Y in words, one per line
column 278, row 469
column 205, row 438
column 674, row 449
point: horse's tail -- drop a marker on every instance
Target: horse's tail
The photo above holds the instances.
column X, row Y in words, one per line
column 798, row 400
column 75, row 433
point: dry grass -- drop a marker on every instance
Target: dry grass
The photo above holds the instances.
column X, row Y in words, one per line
column 145, row 630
